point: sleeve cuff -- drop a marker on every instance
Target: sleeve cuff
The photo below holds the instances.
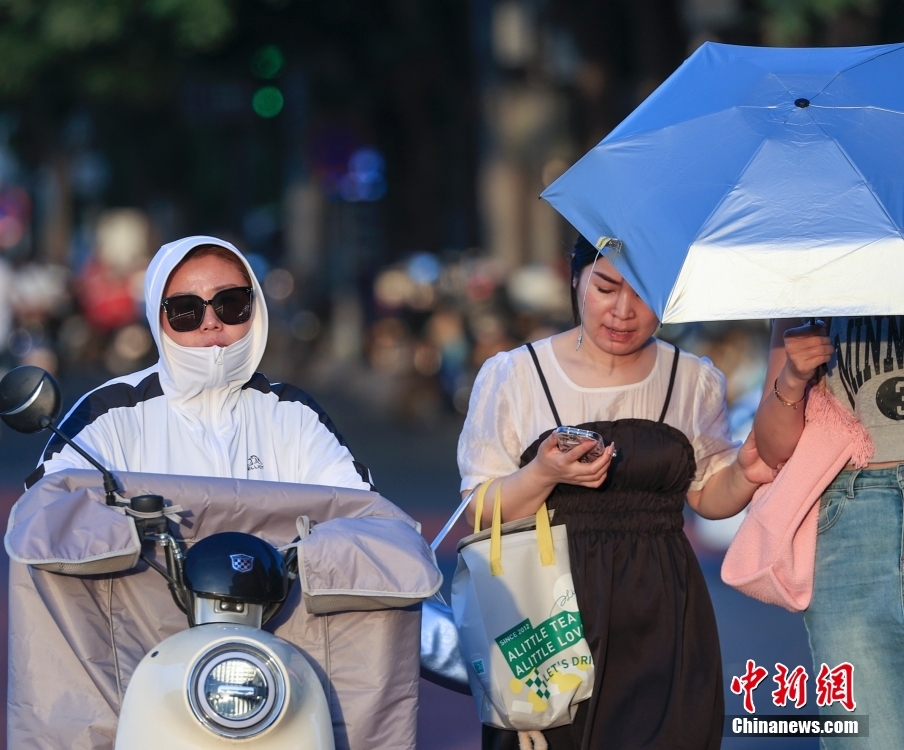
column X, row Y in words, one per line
column 714, row 464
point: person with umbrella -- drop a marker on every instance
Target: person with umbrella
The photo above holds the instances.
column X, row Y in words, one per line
column 768, row 183
column 643, row 600
column 855, row 616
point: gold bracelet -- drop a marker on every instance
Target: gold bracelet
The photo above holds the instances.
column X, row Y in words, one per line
column 783, row 401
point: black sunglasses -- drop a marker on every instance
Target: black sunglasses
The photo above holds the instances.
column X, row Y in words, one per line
column 186, row 311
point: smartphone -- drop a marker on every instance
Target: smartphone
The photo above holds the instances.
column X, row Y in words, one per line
column 568, row 437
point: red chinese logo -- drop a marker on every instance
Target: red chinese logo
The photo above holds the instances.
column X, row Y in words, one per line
column 832, row 685
column 836, row 685
column 747, row 683
column 791, row 686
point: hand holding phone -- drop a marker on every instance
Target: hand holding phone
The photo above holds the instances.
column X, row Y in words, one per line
column 569, row 437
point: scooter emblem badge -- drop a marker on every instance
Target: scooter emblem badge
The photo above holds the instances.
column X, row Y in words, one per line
column 242, row 563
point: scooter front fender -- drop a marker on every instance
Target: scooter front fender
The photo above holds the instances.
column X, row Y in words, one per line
column 157, row 713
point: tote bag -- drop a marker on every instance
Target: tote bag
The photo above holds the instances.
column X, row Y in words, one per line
column 521, row 634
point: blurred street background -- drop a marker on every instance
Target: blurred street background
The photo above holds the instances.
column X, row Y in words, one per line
column 379, row 162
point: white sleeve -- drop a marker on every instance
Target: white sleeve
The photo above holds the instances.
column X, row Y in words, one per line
column 65, row 459
column 327, row 461
column 489, row 445
column 711, row 439
column 58, row 456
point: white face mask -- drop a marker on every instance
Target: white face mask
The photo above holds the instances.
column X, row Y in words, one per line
column 194, row 369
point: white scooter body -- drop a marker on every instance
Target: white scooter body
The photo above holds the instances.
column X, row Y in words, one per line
column 158, row 713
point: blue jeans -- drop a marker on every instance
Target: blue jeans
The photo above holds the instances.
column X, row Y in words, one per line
column 857, row 611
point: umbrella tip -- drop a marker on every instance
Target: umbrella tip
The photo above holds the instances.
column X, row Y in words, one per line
column 802, row 103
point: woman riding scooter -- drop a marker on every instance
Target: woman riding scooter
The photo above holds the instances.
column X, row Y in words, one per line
column 202, row 410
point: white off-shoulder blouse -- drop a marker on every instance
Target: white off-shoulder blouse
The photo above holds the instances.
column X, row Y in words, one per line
column 508, row 409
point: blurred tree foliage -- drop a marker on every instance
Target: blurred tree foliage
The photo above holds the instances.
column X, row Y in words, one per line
column 166, row 87
column 103, row 47
column 797, row 22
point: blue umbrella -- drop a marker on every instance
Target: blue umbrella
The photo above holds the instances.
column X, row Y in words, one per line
column 755, row 183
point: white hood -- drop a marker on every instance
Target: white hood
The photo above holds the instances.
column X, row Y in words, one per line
column 216, row 372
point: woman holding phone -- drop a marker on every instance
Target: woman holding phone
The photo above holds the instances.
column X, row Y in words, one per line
column 661, row 413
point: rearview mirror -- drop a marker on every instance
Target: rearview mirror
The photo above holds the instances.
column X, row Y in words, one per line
column 30, row 399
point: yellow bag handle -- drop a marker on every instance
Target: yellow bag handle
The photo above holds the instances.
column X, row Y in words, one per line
column 496, row 534
column 544, row 535
column 544, row 538
column 478, row 508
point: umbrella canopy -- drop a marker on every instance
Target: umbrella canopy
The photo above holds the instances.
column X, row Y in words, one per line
column 755, row 183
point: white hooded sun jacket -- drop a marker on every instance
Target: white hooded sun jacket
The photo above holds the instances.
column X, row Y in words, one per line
column 205, row 411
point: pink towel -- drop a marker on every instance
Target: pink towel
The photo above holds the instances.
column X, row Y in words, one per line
column 773, row 554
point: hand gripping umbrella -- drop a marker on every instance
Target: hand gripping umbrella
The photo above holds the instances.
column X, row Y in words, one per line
column 755, row 183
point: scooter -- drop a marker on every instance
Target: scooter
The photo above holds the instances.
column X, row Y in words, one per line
column 224, row 680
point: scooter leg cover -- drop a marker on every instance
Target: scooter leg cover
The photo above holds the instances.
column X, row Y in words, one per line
column 40, row 660
column 372, row 692
column 76, row 641
column 361, row 647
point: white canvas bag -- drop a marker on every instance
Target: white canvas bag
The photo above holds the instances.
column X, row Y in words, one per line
column 521, row 634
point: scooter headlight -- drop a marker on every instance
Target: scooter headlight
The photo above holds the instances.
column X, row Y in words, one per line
column 236, row 690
